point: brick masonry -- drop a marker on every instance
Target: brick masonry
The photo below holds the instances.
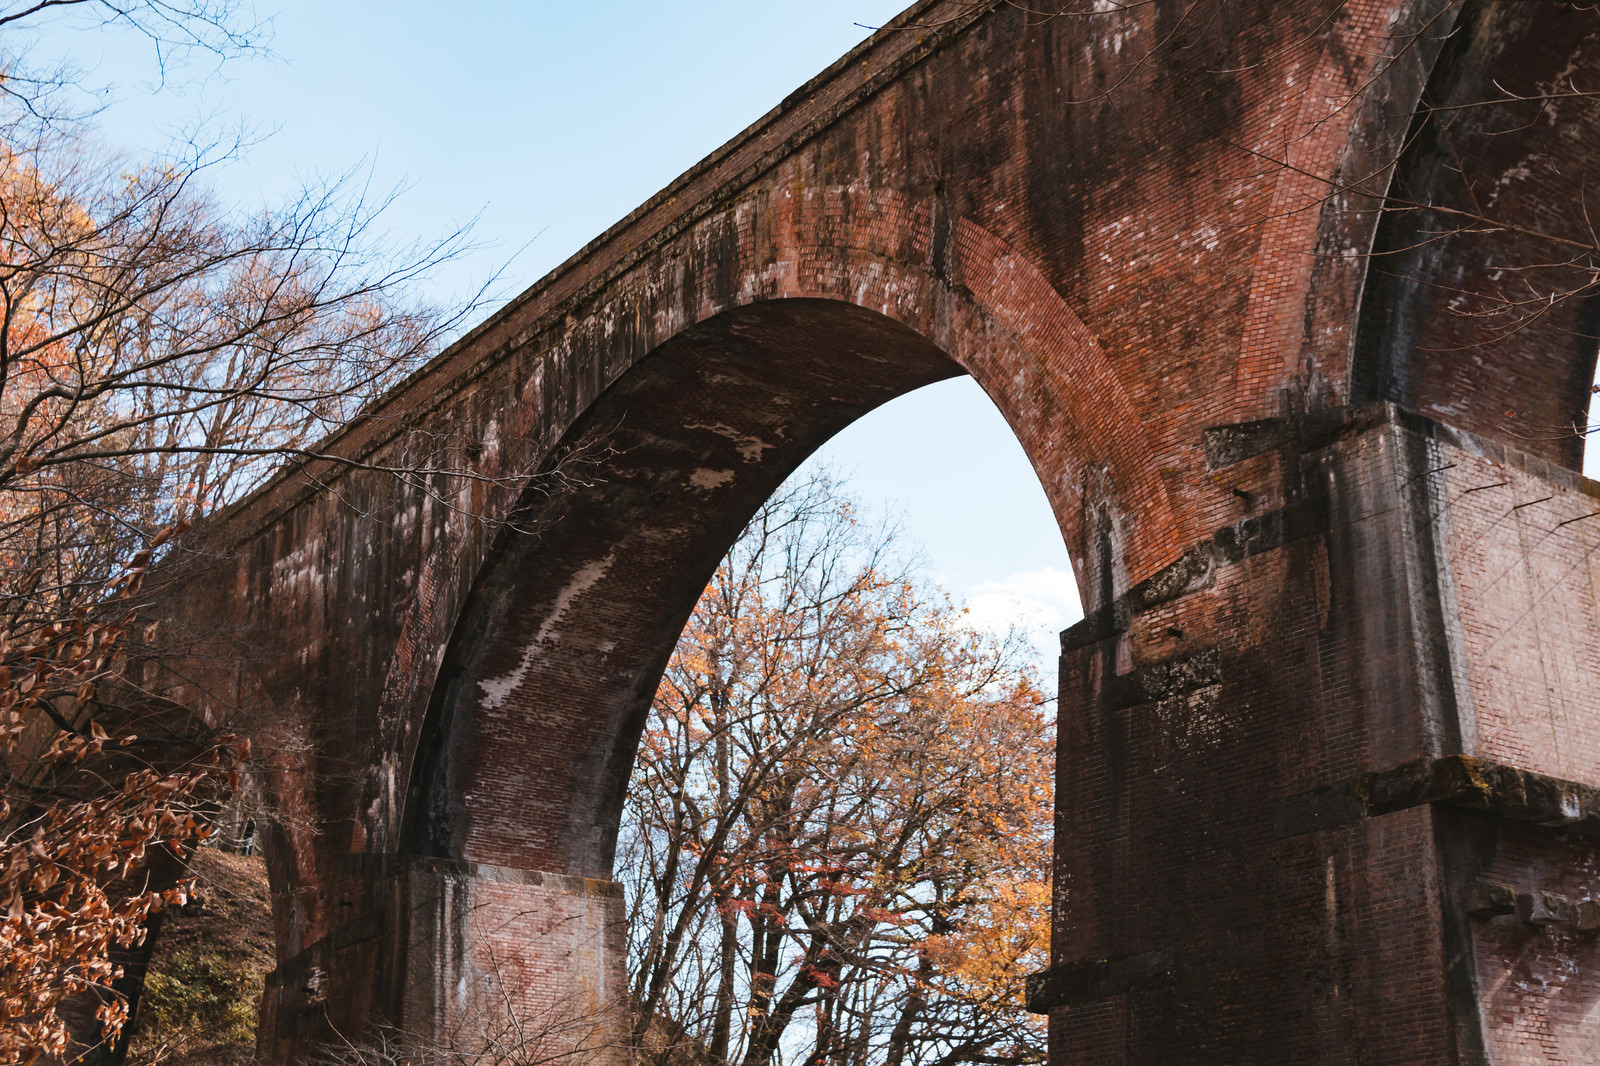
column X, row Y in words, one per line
column 1281, row 810
column 518, row 958
column 1152, row 233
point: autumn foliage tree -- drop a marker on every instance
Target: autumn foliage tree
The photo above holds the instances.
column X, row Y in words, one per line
column 87, row 818
column 837, row 840
column 159, row 354
column 157, row 357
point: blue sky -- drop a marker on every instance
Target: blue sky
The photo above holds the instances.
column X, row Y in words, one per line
column 549, row 122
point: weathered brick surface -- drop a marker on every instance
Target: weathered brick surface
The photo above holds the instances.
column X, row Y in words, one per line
column 514, row 956
column 1240, row 771
column 1540, row 984
column 1144, row 230
column 1448, row 311
column 1522, row 570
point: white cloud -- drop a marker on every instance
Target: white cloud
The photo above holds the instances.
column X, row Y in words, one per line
column 1037, row 603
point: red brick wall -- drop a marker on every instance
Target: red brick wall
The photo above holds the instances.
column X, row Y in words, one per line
column 511, row 957
column 1539, row 984
column 1521, row 558
column 1144, row 229
column 1241, row 876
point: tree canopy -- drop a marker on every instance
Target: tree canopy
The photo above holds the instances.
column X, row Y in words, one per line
column 837, row 842
column 159, row 354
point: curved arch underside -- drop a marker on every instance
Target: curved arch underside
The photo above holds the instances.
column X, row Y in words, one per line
column 573, row 621
column 1481, row 309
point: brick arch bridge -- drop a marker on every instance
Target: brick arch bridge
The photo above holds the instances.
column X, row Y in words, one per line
column 1330, row 733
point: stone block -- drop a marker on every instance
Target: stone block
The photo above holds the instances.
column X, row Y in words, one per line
column 1543, row 908
column 1485, row 899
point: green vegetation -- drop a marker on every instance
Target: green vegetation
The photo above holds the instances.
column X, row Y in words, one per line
column 204, row 984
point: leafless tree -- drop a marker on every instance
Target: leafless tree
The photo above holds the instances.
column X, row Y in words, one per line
column 159, row 356
column 837, row 836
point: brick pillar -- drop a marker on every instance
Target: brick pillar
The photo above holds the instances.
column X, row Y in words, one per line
column 498, row 958
column 1324, row 784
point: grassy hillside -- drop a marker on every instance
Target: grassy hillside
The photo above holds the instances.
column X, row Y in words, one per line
column 204, row 983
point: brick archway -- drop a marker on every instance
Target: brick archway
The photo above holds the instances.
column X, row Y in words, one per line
column 1333, row 704
column 686, row 441
column 1493, row 194
column 564, row 636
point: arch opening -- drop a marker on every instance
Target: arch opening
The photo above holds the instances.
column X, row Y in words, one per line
column 525, row 760
column 576, row 614
column 1480, row 308
column 571, row 627
column 843, row 792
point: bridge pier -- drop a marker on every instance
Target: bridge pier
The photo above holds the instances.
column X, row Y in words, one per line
column 1326, row 786
column 499, row 958
column 467, row 960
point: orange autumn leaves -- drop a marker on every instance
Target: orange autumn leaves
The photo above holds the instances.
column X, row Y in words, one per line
column 81, row 815
column 838, row 832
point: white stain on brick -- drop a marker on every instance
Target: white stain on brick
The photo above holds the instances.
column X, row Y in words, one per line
column 497, row 689
column 751, row 448
column 709, row 480
column 300, row 568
